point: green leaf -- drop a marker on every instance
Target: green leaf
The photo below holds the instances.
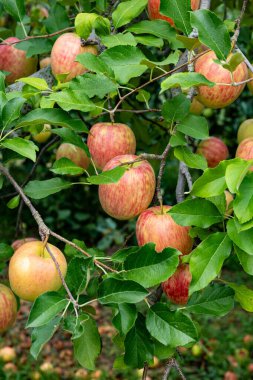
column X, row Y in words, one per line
column 243, row 203
column 196, row 212
column 243, row 239
column 212, row 32
column 23, row 147
column 45, row 308
column 107, row 177
column 195, row 161
column 171, row 59
column 93, row 85
column 236, row 172
column 125, row 317
column 95, row 63
column 11, row 111
column 41, row 335
column 215, row 300
column 6, row 251
column 119, row 39
column 86, row 22
column 138, row 345
column 178, row 11
column 170, row 328
column 73, row 100
column 16, row 8
column 42, row 189
column 13, row 202
column 185, row 81
column 71, row 137
column 245, row 259
column 194, row 126
column 77, row 276
column 148, row 267
column 150, row 41
column 34, row 47
column 127, row 11
column 207, row 259
column 158, row 28
column 58, row 18
column 176, row 109
column 64, row 166
column 88, row 345
column 243, row 295
column 117, row 291
column 220, row 202
column 38, row 83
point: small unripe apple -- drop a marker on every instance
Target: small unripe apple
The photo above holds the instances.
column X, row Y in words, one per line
column 214, row 150
column 219, row 96
column 15, row 61
column 32, row 271
column 155, row 225
column 177, row 286
column 245, row 150
column 229, row 198
column 17, row 243
column 45, row 62
column 73, row 153
column 196, row 107
column 197, row 350
column 133, row 193
column 245, row 130
column 44, row 135
column 108, row 140
column 8, row 308
column 229, row 375
column 64, row 53
column 7, row 354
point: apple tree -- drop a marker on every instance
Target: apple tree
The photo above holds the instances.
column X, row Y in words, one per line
column 112, row 93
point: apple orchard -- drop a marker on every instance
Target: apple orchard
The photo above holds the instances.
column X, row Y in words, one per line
column 108, row 101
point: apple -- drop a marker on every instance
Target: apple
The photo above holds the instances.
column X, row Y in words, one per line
column 248, row 340
column 177, row 286
column 45, row 62
column 47, row 367
column 8, row 308
column 7, row 354
column 81, row 374
column 32, row 271
column 250, row 84
column 35, row 375
column 108, row 140
column 250, row 367
column 214, row 150
column 155, row 225
column 242, row 355
column 17, row 243
column 63, row 55
column 219, row 96
column 133, row 193
column 229, row 375
column 73, row 153
column 196, row 107
column 10, row 367
column 154, row 10
column 197, row 350
column 15, row 61
column 245, row 130
column 43, row 135
column 229, row 198
column 245, row 150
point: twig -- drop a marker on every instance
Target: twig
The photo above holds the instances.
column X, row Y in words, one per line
column 180, row 185
column 172, row 363
column 145, row 372
column 250, row 66
column 160, row 174
column 185, row 171
column 238, row 24
column 18, row 222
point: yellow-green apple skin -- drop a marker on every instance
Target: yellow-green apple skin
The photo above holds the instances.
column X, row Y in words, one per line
column 32, row 271
column 108, row 140
column 196, row 107
column 214, row 150
column 73, row 153
column 245, row 150
column 64, row 53
column 43, row 135
column 219, row 96
column 8, row 308
column 133, row 193
column 245, row 130
column 155, row 225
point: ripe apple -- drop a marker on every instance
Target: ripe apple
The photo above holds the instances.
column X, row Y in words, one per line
column 176, row 287
column 73, row 153
column 245, row 150
column 17, row 243
column 7, row 354
column 155, row 225
column 8, row 308
column 219, row 96
column 229, row 199
column 63, row 55
column 32, row 271
column 134, row 191
column 250, row 84
column 245, row 130
column 229, row 375
column 197, row 350
column 45, row 62
column 15, row 61
column 196, row 107
column 108, row 140
column 43, row 135
column 214, row 150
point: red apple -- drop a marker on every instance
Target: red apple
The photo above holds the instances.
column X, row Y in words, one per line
column 63, row 55
column 219, row 96
column 229, row 375
column 8, row 308
column 73, row 153
column 245, row 150
column 108, row 140
column 196, row 107
column 245, row 130
column 45, row 62
column 155, row 225
column 176, row 287
column 214, row 150
column 17, row 243
column 133, row 193
column 7, row 354
column 32, row 271
column 250, row 367
column 15, row 61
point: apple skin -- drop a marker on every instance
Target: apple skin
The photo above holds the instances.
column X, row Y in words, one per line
column 45, row 62
column 245, row 150
column 73, row 153
column 250, row 84
column 176, row 287
column 32, row 272
column 133, row 193
column 159, row 228
column 63, row 55
column 17, row 243
column 197, row 350
column 245, row 130
column 8, row 308
column 219, row 96
column 214, row 150
column 229, row 375
column 229, row 198
column 108, row 140
column 16, row 62
column 44, row 135
column 196, row 107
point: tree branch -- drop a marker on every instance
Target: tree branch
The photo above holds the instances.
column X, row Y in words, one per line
column 238, row 24
column 160, row 174
column 145, row 372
